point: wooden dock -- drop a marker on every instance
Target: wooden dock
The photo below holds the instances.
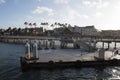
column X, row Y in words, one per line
column 33, row 64
column 61, row 61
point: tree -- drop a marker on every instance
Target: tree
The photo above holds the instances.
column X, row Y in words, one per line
column 14, row 30
column 30, row 24
column 35, row 24
column 55, row 24
column 44, row 24
column 59, row 24
column 26, row 23
column 9, row 29
column 47, row 25
column 19, row 31
column 35, row 27
column 66, row 24
column 52, row 26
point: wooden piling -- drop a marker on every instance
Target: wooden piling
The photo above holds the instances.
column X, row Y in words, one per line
column 102, row 44
column 39, row 45
column 46, row 44
column 115, row 45
column 108, row 45
column 53, row 44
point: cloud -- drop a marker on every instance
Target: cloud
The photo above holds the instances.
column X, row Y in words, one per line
column 85, row 16
column 39, row 0
column 117, row 5
column 97, row 3
column 61, row 1
column 98, row 14
column 87, row 3
column 102, row 4
column 73, row 14
column 40, row 10
column 2, row 1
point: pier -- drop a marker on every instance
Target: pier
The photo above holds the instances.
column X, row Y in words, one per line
column 56, row 59
column 88, row 43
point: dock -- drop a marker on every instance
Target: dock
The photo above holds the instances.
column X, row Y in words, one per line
column 25, row 65
column 61, row 61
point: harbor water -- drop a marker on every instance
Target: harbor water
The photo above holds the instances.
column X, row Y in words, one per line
column 10, row 66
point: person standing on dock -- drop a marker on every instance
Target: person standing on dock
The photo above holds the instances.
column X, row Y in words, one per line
column 35, row 50
column 27, row 52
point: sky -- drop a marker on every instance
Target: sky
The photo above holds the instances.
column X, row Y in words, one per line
column 103, row 14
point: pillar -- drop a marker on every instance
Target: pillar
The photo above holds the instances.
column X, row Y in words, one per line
column 115, row 45
column 46, row 44
column 43, row 43
column 27, row 50
column 35, row 50
column 94, row 44
column 53, row 44
column 39, row 45
column 61, row 44
column 108, row 45
column 74, row 43
column 103, row 45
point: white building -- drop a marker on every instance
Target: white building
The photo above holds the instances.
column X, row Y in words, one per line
column 84, row 31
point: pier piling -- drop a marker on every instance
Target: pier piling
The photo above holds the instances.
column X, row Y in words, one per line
column 115, row 45
column 102, row 44
column 35, row 50
column 46, row 44
column 108, row 45
column 27, row 52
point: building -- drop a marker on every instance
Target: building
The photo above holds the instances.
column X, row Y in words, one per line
column 110, row 33
column 84, row 31
column 35, row 31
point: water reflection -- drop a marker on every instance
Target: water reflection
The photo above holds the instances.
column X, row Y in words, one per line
column 64, row 74
column 107, row 73
column 115, row 72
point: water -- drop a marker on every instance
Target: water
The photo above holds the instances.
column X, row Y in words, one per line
column 10, row 68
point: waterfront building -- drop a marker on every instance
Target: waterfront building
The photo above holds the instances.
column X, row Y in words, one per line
column 84, row 31
column 110, row 33
column 36, row 31
column 59, row 31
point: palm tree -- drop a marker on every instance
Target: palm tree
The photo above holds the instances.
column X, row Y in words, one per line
column 30, row 24
column 52, row 26
column 26, row 23
column 66, row 24
column 43, row 25
column 56, row 24
column 46, row 24
column 35, row 24
column 59, row 24
column 19, row 31
column 35, row 27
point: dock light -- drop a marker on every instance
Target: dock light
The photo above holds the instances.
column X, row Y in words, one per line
column 27, row 52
